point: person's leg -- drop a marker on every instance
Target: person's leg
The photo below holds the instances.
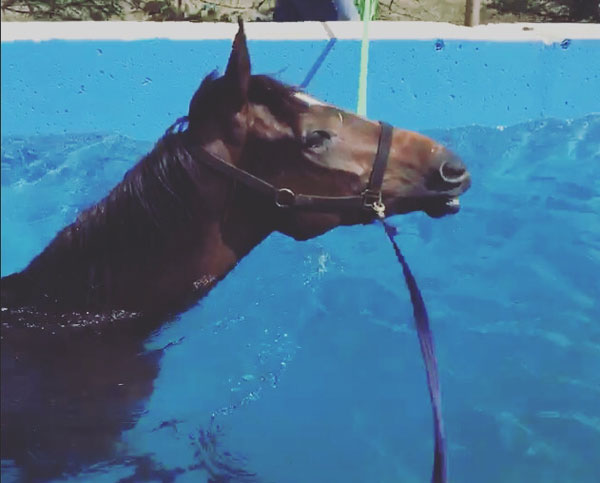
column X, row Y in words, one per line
column 285, row 12
column 300, row 10
column 346, row 10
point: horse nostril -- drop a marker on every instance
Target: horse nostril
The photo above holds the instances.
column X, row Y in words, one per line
column 453, row 171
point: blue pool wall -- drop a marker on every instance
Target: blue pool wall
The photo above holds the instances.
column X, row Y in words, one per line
column 139, row 87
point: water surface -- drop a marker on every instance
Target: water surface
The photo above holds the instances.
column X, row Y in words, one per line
column 303, row 365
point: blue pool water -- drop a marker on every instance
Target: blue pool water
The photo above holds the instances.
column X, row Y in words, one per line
column 303, row 365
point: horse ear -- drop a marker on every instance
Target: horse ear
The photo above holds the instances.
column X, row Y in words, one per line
column 238, row 69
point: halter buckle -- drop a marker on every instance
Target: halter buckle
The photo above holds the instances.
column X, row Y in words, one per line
column 372, row 200
column 285, row 198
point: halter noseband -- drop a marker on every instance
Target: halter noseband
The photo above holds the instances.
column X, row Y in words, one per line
column 370, row 199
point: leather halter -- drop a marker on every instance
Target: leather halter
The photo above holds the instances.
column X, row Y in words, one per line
column 370, row 199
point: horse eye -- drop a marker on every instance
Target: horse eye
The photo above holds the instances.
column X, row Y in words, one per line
column 316, row 139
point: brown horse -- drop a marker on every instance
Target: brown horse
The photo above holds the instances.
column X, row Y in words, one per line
column 257, row 157
column 175, row 226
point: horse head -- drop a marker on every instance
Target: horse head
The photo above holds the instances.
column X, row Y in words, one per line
column 292, row 140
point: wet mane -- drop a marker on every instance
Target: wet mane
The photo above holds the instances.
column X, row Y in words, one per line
column 167, row 180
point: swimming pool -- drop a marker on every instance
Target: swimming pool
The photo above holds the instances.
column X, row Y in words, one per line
column 312, row 371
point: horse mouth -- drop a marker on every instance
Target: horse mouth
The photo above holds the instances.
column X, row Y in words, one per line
column 439, row 206
column 434, row 206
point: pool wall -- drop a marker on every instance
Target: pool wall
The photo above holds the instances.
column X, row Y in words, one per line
column 306, row 354
column 137, row 78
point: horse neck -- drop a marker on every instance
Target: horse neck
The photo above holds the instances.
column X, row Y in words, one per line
column 123, row 253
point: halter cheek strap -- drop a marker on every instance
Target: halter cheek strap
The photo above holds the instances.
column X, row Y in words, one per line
column 373, row 194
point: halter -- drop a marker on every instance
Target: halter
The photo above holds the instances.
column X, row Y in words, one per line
column 370, row 199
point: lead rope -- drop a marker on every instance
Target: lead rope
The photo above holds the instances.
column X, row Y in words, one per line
column 361, row 107
column 439, row 474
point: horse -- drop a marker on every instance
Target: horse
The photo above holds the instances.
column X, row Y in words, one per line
column 174, row 226
column 253, row 156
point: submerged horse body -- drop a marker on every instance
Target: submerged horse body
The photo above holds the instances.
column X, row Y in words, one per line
column 175, row 226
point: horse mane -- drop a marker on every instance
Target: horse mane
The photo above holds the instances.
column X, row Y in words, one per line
column 165, row 188
column 167, row 180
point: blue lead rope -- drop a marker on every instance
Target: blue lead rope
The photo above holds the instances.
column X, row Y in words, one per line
column 439, row 474
column 313, row 70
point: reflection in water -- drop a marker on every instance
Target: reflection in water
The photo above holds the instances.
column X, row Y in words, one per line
column 69, row 392
column 72, row 385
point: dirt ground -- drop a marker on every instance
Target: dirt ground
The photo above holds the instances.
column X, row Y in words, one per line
column 453, row 11
column 257, row 10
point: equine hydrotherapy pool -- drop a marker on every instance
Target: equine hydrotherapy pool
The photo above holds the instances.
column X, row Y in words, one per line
column 303, row 364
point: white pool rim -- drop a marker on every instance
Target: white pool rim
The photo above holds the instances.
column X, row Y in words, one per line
column 547, row 33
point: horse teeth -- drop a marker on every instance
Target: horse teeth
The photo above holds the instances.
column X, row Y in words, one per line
column 453, row 202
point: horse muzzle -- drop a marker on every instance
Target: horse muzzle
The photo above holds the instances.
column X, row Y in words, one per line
column 445, row 185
